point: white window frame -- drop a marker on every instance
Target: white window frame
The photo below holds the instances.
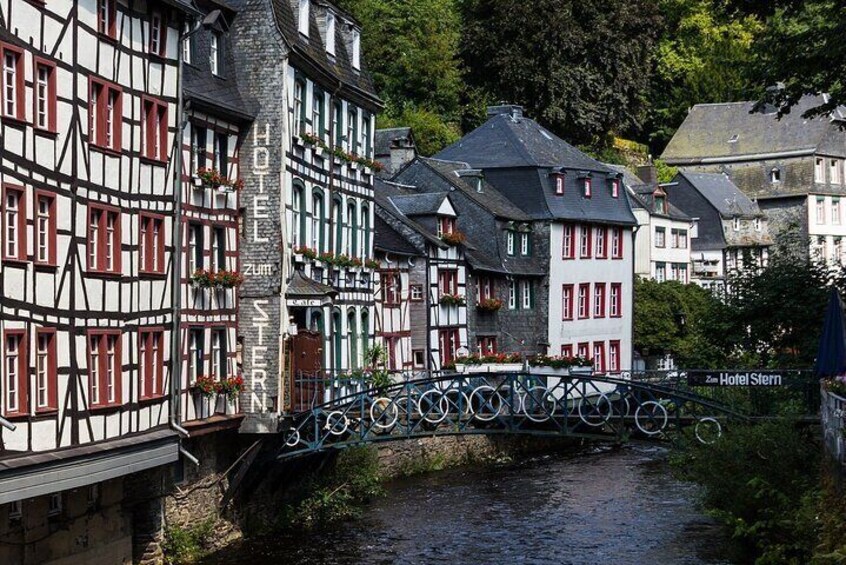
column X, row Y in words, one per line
column 214, row 53
column 11, row 354
column 42, row 370
column 820, row 210
column 303, row 14
column 512, row 295
column 526, row 294
column 330, row 33
column 356, row 48
column 834, row 170
column 42, row 96
column 819, row 170
column 10, row 83
column 13, row 221
column 509, row 242
column 835, row 211
column 524, row 244
column 416, row 291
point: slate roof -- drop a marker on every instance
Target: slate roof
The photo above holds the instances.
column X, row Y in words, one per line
column 723, row 194
column 385, row 193
column 629, row 178
column 733, row 129
column 419, row 204
column 388, row 239
column 642, row 196
column 383, row 138
column 301, row 286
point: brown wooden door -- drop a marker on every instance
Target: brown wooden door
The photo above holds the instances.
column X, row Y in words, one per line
column 306, row 368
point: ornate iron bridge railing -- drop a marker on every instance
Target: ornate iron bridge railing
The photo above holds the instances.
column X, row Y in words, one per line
column 345, row 412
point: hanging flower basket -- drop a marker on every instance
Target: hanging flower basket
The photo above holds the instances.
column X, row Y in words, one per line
column 489, row 305
column 452, row 300
column 453, row 238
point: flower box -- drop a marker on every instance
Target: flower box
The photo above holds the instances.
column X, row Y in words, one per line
column 453, row 238
column 489, row 305
column 197, row 182
column 489, row 368
column 452, row 300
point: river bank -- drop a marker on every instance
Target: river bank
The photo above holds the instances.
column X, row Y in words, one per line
column 595, row 505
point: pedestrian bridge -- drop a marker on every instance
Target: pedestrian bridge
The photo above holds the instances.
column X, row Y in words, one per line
column 345, row 413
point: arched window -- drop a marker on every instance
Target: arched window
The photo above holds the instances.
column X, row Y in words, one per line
column 339, row 225
column 316, row 324
column 352, row 338
column 337, row 340
column 365, row 230
column 297, row 215
column 352, row 229
column 317, row 220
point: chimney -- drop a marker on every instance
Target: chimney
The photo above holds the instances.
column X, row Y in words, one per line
column 648, row 174
column 402, row 152
column 512, row 110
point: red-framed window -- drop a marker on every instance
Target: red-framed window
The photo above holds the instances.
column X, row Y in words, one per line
column 391, row 288
column 44, row 95
column 104, row 252
column 487, row 345
column 599, row 300
column 13, row 82
column 15, row 373
column 588, row 187
column 602, row 242
column 104, row 368
column 446, row 224
column 107, row 17
column 151, row 243
column 155, row 129
column 150, row 363
column 567, row 291
column 616, row 296
column 599, row 356
column 44, row 212
column 614, row 356
column 46, row 371
column 615, row 188
column 105, row 115
column 448, row 281
column 585, row 242
column 559, row 184
column 617, row 243
column 584, row 300
column 449, row 343
column 584, row 350
column 566, row 350
column 484, row 289
column 157, row 43
column 14, row 223
column 568, row 246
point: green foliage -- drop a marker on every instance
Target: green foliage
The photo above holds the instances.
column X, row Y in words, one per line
column 431, row 132
column 666, row 173
column 187, row 545
column 761, row 482
column 579, row 67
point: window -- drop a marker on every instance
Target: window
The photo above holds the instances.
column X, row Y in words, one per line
column 352, row 131
column 155, row 128
column 583, row 350
column 615, row 188
column 303, row 17
column 104, row 252
column 585, row 246
column 820, row 210
column 660, row 237
column 106, row 12
column 15, row 367
column 151, row 244
column 45, row 95
column 196, row 354
column 330, row 33
column 566, row 350
column 317, row 221
column 601, row 243
column 559, row 184
column 509, row 242
column 587, row 187
column 104, row 368
column 446, row 225
column 45, row 228
column 660, row 203
column 819, row 170
column 617, row 243
column 660, row 272
column 526, row 294
column 365, row 135
column 46, row 378
column 105, row 111
column 524, row 244
column 339, row 124
column 214, row 53
column 158, row 39
column 219, row 355
column 15, row 510
column 13, row 83
column 317, row 124
column 682, row 273
column 196, row 260
column 599, row 300
column 54, row 504
column 834, row 170
column 356, row 49
column 448, row 281
column 775, row 175
column 568, row 249
column 218, row 250
column 484, row 289
column 199, row 135
column 679, row 238
column 614, row 356
column 614, row 310
column 297, row 237
column 391, row 288
column 835, row 213
column 150, row 363
column 567, row 302
column 299, row 108
column 187, row 43
column 487, row 345
column 221, row 153
column 584, row 298
column 352, row 229
column 599, row 356
column 416, row 292
column 14, row 218
column 512, row 295
column 449, row 343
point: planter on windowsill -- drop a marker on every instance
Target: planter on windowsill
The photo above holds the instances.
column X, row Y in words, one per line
column 489, row 368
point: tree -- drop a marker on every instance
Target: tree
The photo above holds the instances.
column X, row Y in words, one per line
column 579, row 67
column 431, row 132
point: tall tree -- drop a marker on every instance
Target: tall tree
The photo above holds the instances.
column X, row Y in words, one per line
column 581, row 67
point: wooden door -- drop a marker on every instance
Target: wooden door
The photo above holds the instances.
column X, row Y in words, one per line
column 306, row 369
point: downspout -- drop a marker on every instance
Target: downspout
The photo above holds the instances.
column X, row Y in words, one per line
column 332, row 227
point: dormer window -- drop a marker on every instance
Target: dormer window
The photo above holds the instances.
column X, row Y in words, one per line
column 559, row 185
column 214, row 53
column 615, row 188
column 356, row 49
column 758, row 224
column 157, row 37
column 330, row 33
column 660, row 204
column 819, row 170
column 775, row 175
column 737, row 224
column 446, row 225
column 587, row 187
column 303, row 15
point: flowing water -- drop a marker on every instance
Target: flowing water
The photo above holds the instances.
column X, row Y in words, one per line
column 592, row 507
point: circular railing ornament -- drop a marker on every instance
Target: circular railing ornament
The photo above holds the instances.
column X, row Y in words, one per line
column 651, row 418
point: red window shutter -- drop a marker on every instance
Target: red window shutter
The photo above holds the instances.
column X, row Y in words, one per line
column 118, row 122
column 149, row 129
column 163, row 146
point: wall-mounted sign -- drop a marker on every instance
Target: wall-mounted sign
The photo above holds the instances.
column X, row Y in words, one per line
column 734, row 378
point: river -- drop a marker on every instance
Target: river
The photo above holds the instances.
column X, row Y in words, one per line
column 592, row 507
